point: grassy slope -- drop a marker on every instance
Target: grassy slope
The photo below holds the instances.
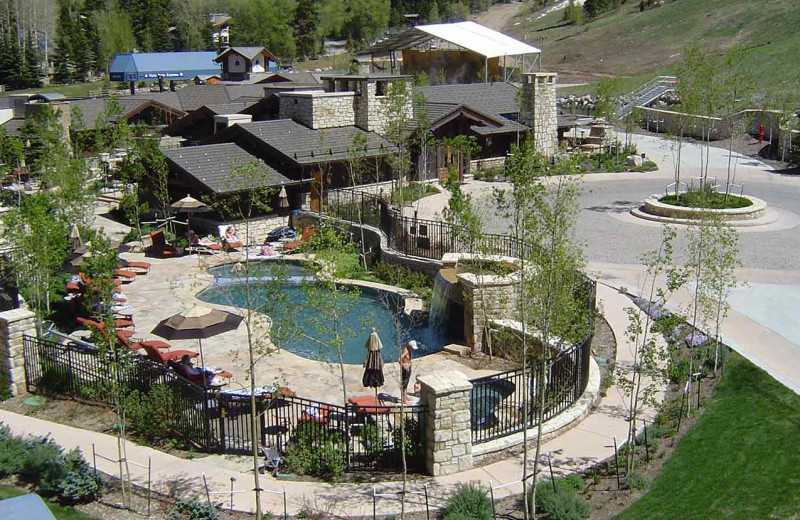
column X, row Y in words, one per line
column 631, row 43
column 60, row 512
column 741, row 460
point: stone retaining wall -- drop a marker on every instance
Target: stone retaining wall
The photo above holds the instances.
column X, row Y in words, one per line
column 652, row 206
column 490, row 163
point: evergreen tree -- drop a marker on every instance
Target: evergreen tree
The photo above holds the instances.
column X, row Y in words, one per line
column 432, row 15
column 32, row 70
column 63, row 50
column 306, row 21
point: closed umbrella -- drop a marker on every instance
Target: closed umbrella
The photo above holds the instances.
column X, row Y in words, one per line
column 284, row 198
column 373, row 364
column 75, row 237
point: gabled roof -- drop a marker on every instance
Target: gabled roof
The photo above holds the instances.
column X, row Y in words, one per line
column 301, row 145
column 218, row 19
column 490, row 98
column 303, row 77
column 212, row 166
column 169, row 65
column 247, row 52
column 466, row 35
column 233, row 107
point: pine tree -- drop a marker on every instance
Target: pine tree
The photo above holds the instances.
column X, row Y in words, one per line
column 13, row 57
column 32, row 71
column 63, row 50
column 306, row 20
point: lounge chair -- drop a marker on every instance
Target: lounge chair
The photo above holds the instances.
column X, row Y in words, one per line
column 307, row 232
column 143, row 267
column 151, row 344
column 163, row 358
column 160, row 246
column 125, row 275
column 207, row 248
column 196, row 378
column 87, row 282
column 127, row 334
column 230, row 246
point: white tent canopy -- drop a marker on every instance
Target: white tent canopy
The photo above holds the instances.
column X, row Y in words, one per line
column 466, row 35
column 479, row 39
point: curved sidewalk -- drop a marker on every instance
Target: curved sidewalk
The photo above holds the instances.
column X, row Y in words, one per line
column 590, row 441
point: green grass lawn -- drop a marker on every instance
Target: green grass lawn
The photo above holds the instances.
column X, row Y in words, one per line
column 633, row 44
column 60, row 512
column 740, row 461
column 715, row 200
column 338, row 62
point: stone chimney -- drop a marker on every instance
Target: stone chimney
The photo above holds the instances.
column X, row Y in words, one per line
column 538, row 110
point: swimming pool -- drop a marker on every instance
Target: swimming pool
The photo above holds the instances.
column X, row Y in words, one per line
column 288, row 305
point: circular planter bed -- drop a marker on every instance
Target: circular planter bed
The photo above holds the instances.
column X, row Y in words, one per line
column 750, row 208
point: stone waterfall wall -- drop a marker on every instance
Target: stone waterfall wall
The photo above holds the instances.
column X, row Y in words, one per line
column 13, row 324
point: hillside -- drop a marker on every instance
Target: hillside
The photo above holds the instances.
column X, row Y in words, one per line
column 632, row 43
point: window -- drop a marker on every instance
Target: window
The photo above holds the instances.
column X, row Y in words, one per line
column 380, row 88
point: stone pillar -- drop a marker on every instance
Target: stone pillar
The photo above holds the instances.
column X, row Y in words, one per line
column 13, row 324
column 539, row 112
column 448, row 436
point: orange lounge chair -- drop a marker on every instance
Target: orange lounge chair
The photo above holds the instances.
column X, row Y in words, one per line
column 125, row 275
column 160, row 246
column 196, row 379
column 152, row 344
column 127, row 334
column 163, row 358
column 88, row 282
column 143, row 266
column 307, row 232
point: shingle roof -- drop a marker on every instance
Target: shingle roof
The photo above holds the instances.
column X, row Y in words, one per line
column 89, row 108
column 247, row 52
column 13, row 126
column 234, row 107
column 302, row 145
column 212, row 166
column 490, row 98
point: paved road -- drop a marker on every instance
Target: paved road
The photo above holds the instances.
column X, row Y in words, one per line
column 762, row 323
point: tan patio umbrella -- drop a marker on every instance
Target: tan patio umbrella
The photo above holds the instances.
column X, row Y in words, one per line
column 75, row 237
column 373, row 364
column 189, row 205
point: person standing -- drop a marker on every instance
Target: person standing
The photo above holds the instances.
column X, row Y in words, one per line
column 405, row 367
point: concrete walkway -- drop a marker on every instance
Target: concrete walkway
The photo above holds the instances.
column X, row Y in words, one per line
column 589, row 442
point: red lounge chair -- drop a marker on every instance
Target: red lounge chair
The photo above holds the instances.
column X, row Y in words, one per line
column 74, row 288
column 307, row 232
column 125, row 275
column 160, row 246
column 163, row 358
column 127, row 334
column 143, row 266
column 88, row 282
column 153, row 344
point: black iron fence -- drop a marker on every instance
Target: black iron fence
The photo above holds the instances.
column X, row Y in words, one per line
column 362, row 438
column 414, row 236
column 498, row 403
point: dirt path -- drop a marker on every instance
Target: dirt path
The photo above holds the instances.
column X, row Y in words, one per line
column 499, row 16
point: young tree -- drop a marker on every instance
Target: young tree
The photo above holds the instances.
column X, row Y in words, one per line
column 43, row 248
column 648, row 372
column 397, row 104
column 32, row 63
column 249, row 198
column 737, row 85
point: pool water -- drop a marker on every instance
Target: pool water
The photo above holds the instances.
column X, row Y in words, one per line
column 298, row 304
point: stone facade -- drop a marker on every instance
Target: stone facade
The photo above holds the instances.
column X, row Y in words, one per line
column 13, row 324
column 486, row 297
column 317, row 109
column 539, row 110
column 488, row 164
column 371, row 108
column 258, row 227
column 448, row 435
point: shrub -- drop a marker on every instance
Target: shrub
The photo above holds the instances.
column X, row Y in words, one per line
column 315, row 450
column 469, row 502
column 413, row 447
column 490, row 175
column 635, row 480
column 150, row 414
column 576, row 482
column 5, row 391
column 478, row 175
column 190, row 508
column 372, row 439
column 12, row 451
column 41, row 456
column 563, row 503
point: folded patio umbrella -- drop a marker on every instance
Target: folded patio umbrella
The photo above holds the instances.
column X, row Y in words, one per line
column 284, row 198
column 75, row 237
column 373, row 364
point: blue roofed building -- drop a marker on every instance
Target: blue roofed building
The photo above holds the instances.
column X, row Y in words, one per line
column 160, row 66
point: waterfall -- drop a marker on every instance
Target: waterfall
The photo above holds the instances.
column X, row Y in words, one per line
column 440, row 301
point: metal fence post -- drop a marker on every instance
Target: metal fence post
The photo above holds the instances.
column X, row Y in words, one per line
column 491, row 495
column 233, row 479
column 285, row 508
column 616, row 463
column 94, row 461
column 208, row 495
column 427, row 508
column 149, row 482
column 374, row 505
